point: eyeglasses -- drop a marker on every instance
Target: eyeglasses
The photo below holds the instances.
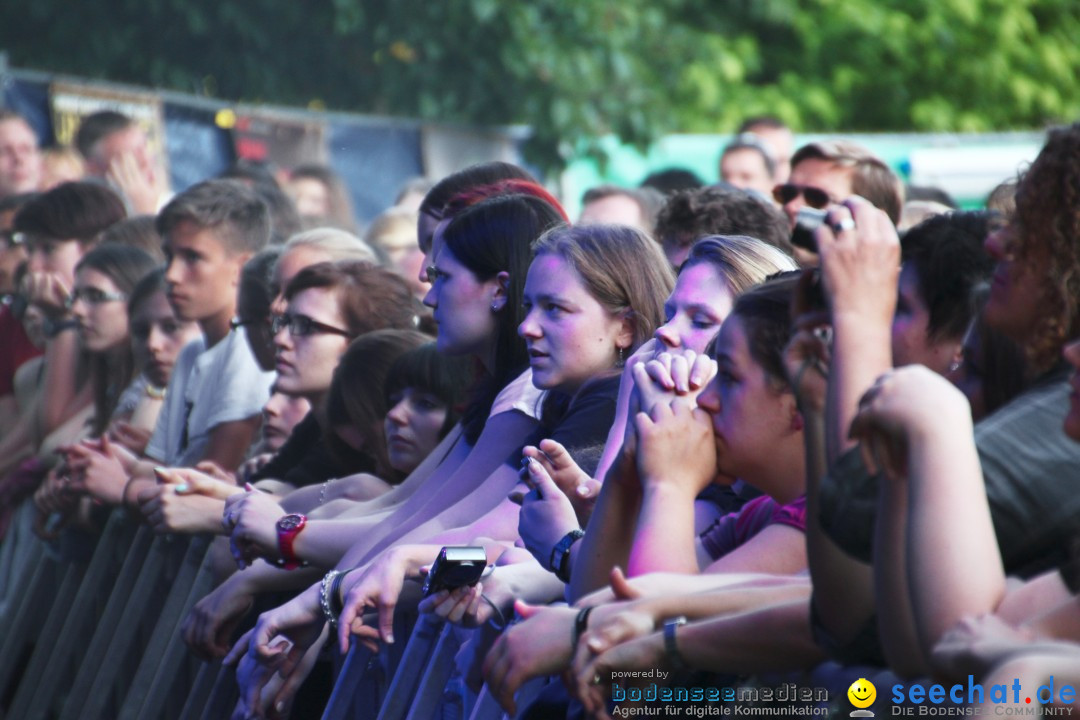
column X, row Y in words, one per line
column 815, row 197
column 93, row 296
column 10, row 239
column 301, row 325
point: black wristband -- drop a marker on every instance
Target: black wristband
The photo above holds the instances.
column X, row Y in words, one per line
column 671, row 649
column 55, row 327
column 581, row 624
column 559, row 562
column 337, row 603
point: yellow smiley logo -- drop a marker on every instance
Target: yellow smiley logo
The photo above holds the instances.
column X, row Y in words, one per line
column 862, row 693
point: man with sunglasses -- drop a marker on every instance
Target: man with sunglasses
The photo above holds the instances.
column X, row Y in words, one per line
column 829, row 172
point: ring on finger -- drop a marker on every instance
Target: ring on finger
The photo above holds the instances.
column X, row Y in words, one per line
column 845, row 223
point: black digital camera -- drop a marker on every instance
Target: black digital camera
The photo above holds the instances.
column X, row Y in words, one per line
column 807, row 220
column 455, row 567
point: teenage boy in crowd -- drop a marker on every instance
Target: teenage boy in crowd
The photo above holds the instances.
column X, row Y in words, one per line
column 214, row 399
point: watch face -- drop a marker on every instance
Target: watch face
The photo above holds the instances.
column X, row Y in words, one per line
column 290, row 522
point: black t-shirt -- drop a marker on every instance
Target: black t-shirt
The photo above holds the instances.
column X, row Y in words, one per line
column 306, row 459
column 580, row 423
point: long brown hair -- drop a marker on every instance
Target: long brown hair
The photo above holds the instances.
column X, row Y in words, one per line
column 112, row 371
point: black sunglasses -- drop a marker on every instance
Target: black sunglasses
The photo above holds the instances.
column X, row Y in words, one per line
column 814, row 197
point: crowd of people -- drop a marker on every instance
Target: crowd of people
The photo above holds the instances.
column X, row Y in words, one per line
column 803, row 420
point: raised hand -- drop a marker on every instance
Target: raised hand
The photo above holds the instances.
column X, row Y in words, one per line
column 676, row 447
column 904, row 405
column 571, row 479
column 546, row 516
column 860, row 261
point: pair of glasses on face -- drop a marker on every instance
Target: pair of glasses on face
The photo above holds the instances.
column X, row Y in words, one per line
column 301, row 325
column 93, row 296
column 11, row 239
column 814, row 197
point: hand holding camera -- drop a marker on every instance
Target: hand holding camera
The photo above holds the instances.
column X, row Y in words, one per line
column 456, row 567
column 860, row 261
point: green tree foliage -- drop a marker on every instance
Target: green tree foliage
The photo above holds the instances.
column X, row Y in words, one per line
column 925, row 65
column 577, row 70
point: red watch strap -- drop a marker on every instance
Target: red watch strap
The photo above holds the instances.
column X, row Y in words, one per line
column 288, row 528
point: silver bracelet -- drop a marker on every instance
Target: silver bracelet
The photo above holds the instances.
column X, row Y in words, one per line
column 324, row 597
column 498, row 619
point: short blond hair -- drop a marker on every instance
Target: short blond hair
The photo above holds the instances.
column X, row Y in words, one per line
column 742, row 261
column 337, row 244
column 393, row 228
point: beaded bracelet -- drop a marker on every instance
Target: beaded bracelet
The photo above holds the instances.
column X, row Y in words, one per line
column 322, row 490
column 330, row 582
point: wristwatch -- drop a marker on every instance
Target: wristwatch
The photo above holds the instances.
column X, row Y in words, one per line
column 671, row 650
column 560, row 554
column 288, row 527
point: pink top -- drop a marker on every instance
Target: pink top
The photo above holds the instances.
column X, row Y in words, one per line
column 734, row 529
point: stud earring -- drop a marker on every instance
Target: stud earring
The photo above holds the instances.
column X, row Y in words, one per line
column 494, row 307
